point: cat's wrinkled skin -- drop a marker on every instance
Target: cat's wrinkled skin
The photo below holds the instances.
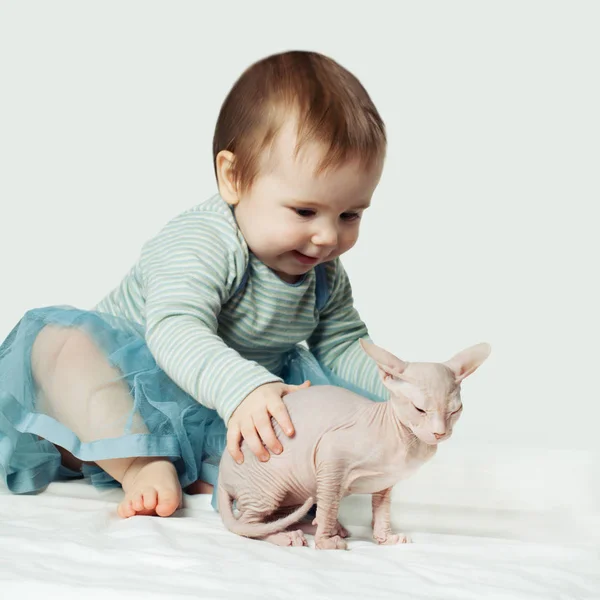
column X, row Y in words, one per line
column 346, row 444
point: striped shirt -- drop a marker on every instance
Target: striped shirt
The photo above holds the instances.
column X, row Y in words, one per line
column 219, row 342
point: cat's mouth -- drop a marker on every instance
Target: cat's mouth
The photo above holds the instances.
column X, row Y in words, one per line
column 425, row 436
column 432, row 440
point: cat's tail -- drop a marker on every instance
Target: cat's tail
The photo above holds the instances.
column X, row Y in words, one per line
column 256, row 530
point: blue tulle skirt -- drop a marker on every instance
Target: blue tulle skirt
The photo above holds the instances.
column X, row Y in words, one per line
column 173, row 424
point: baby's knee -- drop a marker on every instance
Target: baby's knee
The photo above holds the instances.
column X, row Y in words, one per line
column 56, row 347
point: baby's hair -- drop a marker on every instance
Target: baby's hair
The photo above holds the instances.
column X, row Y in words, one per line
column 331, row 104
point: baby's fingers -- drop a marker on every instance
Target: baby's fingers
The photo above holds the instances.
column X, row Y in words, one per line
column 234, row 437
column 280, row 414
column 255, row 443
column 267, row 434
column 294, row 388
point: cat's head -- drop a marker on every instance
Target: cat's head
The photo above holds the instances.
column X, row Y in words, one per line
column 426, row 396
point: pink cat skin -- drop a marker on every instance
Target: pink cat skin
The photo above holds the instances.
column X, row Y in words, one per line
column 346, row 444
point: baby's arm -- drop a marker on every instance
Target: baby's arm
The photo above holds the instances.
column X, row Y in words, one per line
column 335, row 341
column 190, row 270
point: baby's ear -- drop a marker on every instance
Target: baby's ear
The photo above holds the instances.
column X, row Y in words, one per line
column 224, row 166
column 389, row 365
column 467, row 361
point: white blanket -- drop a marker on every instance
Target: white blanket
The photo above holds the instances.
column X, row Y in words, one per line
column 68, row 542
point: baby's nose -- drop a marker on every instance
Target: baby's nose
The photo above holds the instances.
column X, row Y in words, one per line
column 326, row 237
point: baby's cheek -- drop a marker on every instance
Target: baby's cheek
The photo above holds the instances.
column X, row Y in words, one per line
column 348, row 243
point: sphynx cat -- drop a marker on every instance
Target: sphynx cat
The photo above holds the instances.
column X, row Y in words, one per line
column 346, row 444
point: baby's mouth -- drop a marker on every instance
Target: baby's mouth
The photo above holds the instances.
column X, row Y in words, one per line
column 304, row 259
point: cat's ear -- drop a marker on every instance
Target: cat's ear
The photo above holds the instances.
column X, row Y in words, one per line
column 467, row 361
column 388, row 364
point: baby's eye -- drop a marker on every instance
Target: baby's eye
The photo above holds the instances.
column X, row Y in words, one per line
column 350, row 216
column 419, row 409
column 304, row 212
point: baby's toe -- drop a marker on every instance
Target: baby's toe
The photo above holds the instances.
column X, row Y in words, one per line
column 168, row 503
column 125, row 510
column 149, row 499
column 137, row 501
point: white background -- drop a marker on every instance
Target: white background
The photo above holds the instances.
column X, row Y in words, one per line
column 481, row 230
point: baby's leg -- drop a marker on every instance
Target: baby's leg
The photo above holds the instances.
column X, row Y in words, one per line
column 79, row 388
column 68, row 460
column 199, row 487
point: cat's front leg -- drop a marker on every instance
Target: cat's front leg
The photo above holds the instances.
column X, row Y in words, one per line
column 329, row 493
column 382, row 531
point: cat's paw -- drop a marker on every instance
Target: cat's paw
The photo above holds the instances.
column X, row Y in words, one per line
column 331, row 543
column 341, row 531
column 387, row 538
column 287, row 538
column 297, row 538
column 338, row 529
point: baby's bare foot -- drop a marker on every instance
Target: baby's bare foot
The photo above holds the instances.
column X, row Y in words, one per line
column 151, row 487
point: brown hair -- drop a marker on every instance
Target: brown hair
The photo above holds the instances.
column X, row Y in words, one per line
column 332, row 105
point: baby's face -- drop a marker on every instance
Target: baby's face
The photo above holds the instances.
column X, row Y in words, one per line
column 292, row 218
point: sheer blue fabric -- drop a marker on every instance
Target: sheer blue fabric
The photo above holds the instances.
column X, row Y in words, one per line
column 175, row 425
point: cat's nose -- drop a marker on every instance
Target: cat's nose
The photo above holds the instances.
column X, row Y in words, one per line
column 439, row 435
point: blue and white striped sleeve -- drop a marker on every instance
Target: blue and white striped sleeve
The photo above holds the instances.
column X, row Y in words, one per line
column 335, row 341
column 189, row 271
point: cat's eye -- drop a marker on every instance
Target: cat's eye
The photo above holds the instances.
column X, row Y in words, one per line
column 457, row 410
column 419, row 409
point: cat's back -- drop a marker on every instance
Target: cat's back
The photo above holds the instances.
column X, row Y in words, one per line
column 317, row 409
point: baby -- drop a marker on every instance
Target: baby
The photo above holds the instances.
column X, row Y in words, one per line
column 194, row 350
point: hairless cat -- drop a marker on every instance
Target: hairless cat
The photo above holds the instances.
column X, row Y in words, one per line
column 346, row 444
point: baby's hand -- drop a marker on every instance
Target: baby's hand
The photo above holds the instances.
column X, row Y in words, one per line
column 251, row 421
